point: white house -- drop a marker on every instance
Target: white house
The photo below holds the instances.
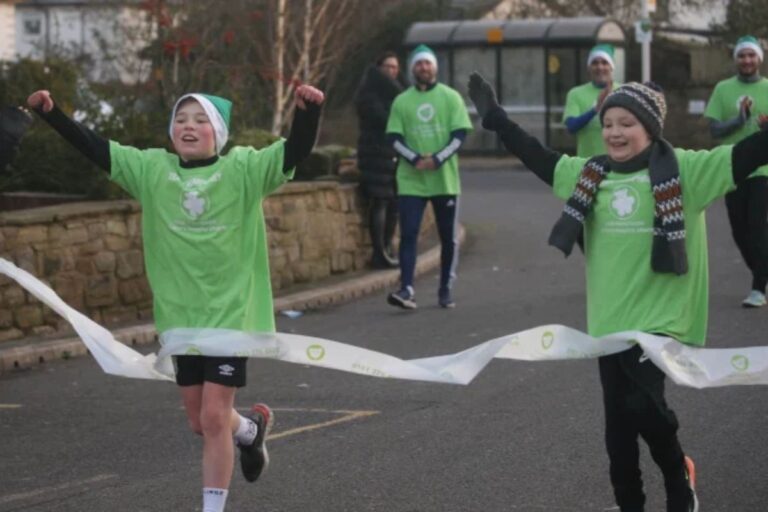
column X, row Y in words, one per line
column 8, row 29
column 82, row 27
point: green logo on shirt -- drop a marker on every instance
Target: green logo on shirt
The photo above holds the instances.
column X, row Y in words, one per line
column 547, row 340
column 740, row 363
column 315, row 352
column 624, row 202
column 425, row 112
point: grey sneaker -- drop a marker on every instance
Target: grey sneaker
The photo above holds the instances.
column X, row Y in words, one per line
column 444, row 298
column 755, row 299
column 254, row 458
column 402, row 298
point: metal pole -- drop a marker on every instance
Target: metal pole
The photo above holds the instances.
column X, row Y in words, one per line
column 646, row 44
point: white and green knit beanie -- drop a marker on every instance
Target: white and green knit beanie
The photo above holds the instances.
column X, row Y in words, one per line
column 748, row 42
column 601, row 51
column 421, row 52
column 218, row 110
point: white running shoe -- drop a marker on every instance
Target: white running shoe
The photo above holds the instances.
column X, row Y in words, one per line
column 755, row 299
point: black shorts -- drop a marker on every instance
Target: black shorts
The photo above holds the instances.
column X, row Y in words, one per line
column 194, row 370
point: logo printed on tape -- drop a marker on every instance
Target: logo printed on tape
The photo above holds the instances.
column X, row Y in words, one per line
column 740, row 363
column 193, row 351
column 315, row 352
column 547, row 340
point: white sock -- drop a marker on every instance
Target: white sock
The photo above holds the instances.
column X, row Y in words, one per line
column 246, row 431
column 214, row 499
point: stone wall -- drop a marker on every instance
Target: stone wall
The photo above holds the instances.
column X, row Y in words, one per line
column 91, row 253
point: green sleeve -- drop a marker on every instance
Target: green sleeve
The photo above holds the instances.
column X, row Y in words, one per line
column 567, row 172
column 459, row 115
column 128, row 168
column 714, row 108
column 264, row 168
column 395, row 121
column 705, row 175
column 571, row 105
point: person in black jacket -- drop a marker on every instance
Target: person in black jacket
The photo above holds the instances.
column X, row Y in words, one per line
column 376, row 157
column 14, row 122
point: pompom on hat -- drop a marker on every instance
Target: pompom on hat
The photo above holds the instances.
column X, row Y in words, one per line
column 748, row 42
column 218, row 110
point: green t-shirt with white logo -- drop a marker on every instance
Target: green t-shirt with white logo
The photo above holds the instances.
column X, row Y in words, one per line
column 205, row 241
column 426, row 119
column 580, row 99
column 623, row 292
column 724, row 104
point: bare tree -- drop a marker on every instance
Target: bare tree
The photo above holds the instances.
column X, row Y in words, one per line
column 309, row 40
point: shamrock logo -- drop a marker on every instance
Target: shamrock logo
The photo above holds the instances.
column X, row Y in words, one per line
column 193, row 204
column 624, row 202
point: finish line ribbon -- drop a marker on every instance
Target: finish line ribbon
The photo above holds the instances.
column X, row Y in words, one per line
column 686, row 365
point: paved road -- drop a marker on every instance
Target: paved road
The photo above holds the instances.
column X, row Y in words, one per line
column 522, row 437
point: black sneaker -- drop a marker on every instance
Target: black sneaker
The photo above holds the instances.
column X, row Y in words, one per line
column 254, row 458
column 402, row 298
column 444, row 298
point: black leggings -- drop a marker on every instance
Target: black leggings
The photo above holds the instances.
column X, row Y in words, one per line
column 633, row 396
column 748, row 212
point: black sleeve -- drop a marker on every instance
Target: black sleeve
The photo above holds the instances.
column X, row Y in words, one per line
column 535, row 156
column 14, row 122
column 303, row 134
column 749, row 154
column 85, row 140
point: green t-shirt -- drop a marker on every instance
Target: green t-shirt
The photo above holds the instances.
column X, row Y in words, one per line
column 589, row 140
column 426, row 119
column 623, row 292
column 205, row 241
column 724, row 103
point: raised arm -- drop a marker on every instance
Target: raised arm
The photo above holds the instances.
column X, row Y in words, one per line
column 540, row 159
column 85, row 140
column 306, row 120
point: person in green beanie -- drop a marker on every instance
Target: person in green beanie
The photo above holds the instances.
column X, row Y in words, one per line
column 427, row 125
column 738, row 108
column 206, row 254
column 583, row 102
column 641, row 208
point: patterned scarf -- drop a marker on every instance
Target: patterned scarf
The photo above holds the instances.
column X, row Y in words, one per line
column 668, row 254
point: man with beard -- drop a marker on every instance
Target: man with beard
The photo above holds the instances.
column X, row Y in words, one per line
column 376, row 157
column 738, row 108
column 583, row 102
column 427, row 125
column 14, row 122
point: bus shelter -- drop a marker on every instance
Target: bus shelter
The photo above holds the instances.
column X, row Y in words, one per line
column 533, row 63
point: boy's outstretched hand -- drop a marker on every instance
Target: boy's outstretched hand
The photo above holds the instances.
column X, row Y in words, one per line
column 482, row 94
column 307, row 94
column 40, row 100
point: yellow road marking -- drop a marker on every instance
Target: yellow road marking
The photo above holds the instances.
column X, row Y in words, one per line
column 347, row 415
column 10, row 406
column 54, row 489
column 350, row 416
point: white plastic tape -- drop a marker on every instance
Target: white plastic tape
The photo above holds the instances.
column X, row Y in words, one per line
column 690, row 366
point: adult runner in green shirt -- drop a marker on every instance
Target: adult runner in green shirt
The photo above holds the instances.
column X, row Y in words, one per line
column 206, row 253
column 738, row 108
column 583, row 102
column 427, row 125
column 641, row 208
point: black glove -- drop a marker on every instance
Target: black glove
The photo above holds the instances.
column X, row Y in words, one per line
column 482, row 94
column 14, row 122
